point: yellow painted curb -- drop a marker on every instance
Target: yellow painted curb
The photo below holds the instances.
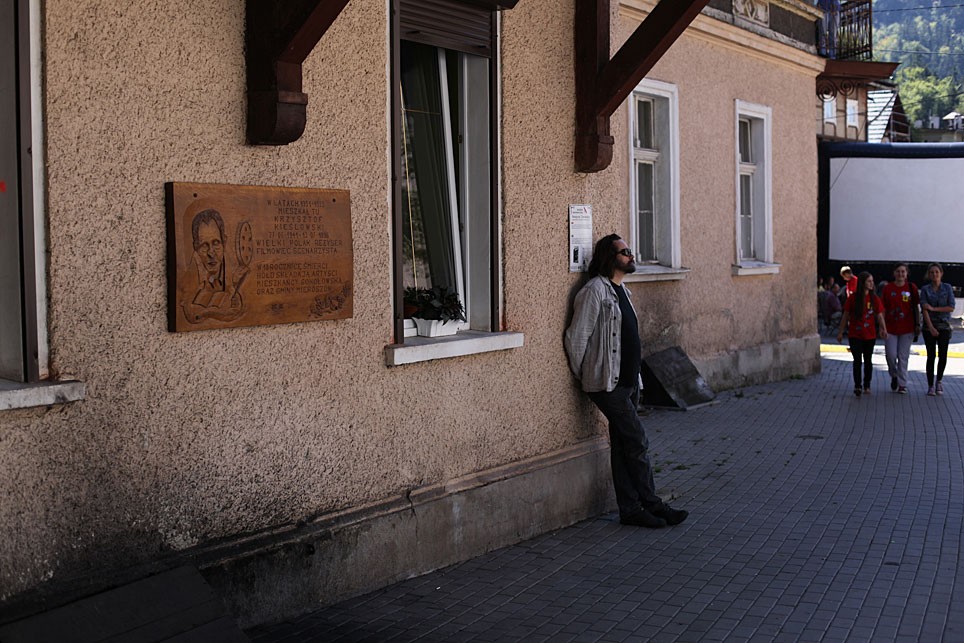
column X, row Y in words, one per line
column 833, row 348
column 923, row 352
column 838, row 348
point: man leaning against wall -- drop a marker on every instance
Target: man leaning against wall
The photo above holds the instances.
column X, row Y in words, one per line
column 605, row 354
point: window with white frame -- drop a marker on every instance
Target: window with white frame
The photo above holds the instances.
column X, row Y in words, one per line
column 445, row 190
column 445, row 148
column 24, row 367
column 654, row 178
column 22, row 353
column 852, row 120
column 754, row 218
column 445, row 127
column 830, row 110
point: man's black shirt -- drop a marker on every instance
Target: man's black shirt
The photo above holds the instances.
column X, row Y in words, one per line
column 632, row 348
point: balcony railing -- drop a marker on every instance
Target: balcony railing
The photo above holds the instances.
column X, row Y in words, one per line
column 847, row 30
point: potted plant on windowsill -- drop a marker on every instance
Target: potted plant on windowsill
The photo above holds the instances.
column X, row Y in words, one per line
column 436, row 311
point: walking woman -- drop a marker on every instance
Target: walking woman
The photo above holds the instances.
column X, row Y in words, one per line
column 860, row 312
column 902, row 313
column 936, row 304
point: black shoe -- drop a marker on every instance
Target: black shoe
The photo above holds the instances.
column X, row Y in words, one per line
column 857, row 391
column 670, row 515
column 643, row 518
column 893, row 383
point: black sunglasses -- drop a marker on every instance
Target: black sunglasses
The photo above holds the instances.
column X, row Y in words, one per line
column 626, row 252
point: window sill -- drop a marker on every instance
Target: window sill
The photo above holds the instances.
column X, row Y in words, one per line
column 756, row 268
column 656, row 273
column 466, row 342
column 18, row 395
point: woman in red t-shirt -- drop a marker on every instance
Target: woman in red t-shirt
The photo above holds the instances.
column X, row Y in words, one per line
column 859, row 313
column 901, row 311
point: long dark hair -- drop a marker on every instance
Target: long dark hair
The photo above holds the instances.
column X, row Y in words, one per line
column 604, row 257
column 860, row 304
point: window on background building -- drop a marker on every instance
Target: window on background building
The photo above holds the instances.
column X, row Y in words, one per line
column 748, row 170
column 654, row 178
column 445, row 150
column 852, row 120
column 754, row 221
column 830, row 110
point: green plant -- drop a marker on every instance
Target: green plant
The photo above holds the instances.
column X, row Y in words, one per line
column 437, row 302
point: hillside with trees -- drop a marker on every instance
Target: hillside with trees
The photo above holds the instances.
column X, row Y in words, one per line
column 927, row 38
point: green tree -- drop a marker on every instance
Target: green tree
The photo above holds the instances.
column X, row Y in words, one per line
column 928, row 42
column 924, row 94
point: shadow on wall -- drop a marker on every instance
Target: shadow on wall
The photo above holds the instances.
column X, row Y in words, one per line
column 104, row 529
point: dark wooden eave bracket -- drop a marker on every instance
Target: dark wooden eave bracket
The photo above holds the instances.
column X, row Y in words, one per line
column 278, row 38
column 603, row 84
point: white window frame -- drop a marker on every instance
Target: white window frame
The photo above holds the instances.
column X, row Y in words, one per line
column 853, row 116
column 830, row 110
column 760, row 118
column 665, row 99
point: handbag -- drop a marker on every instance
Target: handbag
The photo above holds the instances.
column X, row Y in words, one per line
column 941, row 324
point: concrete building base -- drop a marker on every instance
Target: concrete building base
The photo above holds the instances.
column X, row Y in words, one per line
column 284, row 572
column 761, row 364
column 281, row 575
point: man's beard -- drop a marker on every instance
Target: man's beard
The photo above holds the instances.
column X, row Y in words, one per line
column 629, row 268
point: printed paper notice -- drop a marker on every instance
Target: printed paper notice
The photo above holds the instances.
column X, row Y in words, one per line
column 580, row 237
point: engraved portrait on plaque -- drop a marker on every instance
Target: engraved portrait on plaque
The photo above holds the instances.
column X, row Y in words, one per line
column 247, row 255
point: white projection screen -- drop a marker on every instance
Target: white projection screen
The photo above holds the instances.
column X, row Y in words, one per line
column 897, row 209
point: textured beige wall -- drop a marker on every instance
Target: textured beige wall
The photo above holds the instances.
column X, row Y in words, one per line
column 185, row 438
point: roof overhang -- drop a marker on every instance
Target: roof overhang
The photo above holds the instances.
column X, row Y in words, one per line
column 847, row 76
column 857, row 70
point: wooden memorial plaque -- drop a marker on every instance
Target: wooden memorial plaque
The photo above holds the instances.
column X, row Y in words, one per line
column 242, row 255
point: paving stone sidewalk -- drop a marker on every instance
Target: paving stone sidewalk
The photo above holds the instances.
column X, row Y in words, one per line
column 815, row 516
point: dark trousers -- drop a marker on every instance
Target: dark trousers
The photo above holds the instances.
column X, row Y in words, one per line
column 862, row 351
column 628, row 450
column 936, row 345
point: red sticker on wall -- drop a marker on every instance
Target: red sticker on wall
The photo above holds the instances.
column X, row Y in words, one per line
column 3, row 187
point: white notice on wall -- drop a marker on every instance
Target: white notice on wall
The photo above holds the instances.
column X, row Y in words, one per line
column 580, row 237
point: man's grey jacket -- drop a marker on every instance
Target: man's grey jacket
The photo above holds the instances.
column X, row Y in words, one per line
column 593, row 339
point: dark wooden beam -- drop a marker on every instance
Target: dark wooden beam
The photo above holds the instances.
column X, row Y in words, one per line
column 306, row 30
column 594, row 144
column 279, row 37
column 603, row 84
column 653, row 38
